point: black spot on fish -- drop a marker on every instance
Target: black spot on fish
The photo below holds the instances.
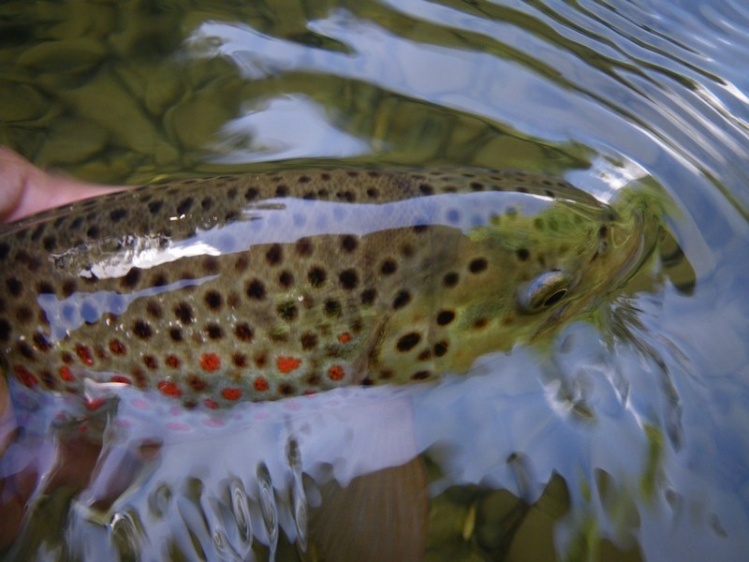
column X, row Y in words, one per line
column 77, row 223
column 244, row 332
column 131, row 278
column 159, row 280
column 421, row 375
column 288, row 311
column 401, row 299
column 213, row 300
column 175, row 334
column 450, row 279
column 282, row 191
column 286, row 279
column 477, row 265
column 349, row 243
column 261, row 359
column 210, row 265
column 274, row 255
column 183, row 312
column 408, row 342
column 372, row 193
column 316, row 276
column 480, row 323
column 93, row 232
column 445, row 317
column 184, row 206
column 440, row 348
column 523, row 254
column 4, row 250
column 308, row 341
column 154, row 207
column 368, row 296
column 251, row 194
column 241, row 263
column 332, row 308
column 286, row 389
column 15, row 287
column 304, row 247
column 425, row 355
column 154, row 310
column 214, row 331
column 476, row 186
column 256, row 289
column 118, row 214
column 142, row 329
column 69, row 287
column 206, row 203
column 426, row 189
column 45, row 288
column 349, row 279
column 388, row 267
column 41, row 342
column 239, row 360
column 24, row 314
column 25, row 350
column 49, row 243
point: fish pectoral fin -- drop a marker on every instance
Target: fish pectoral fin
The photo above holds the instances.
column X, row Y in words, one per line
column 380, row 517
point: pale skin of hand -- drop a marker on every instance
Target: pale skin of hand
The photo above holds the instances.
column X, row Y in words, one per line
column 26, row 190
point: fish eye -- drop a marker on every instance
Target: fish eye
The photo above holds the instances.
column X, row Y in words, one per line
column 544, row 291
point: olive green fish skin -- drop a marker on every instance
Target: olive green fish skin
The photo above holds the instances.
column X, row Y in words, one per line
column 256, row 287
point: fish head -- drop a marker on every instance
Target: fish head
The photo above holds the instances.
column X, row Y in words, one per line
column 538, row 271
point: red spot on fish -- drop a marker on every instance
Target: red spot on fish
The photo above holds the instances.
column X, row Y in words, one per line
column 169, row 388
column 120, row 378
column 288, row 364
column 173, row 361
column 232, row 393
column 212, row 404
column 336, row 373
column 95, row 404
column 210, row 362
column 117, row 347
column 84, row 354
column 345, row 337
column 260, row 384
column 25, row 376
column 66, row 374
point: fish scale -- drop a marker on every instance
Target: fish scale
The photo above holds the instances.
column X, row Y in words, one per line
column 259, row 286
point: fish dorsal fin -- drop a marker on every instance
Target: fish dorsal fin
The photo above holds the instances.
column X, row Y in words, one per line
column 379, row 517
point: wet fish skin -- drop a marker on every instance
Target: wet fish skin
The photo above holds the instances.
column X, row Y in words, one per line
column 260, row 286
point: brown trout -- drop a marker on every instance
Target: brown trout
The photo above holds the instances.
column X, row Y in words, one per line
column 256, row 287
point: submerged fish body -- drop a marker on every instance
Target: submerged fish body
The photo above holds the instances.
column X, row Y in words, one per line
column 256, row 287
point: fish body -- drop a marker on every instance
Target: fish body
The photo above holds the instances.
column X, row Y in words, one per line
column 255, row 287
